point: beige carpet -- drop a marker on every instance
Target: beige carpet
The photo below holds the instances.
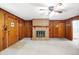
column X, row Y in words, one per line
column 41, row 47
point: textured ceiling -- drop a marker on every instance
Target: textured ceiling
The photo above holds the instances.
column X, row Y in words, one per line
column 28, row 11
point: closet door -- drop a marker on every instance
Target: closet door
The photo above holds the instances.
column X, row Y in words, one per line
column 11, row 24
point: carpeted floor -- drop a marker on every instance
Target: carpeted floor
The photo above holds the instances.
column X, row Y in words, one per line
column 52, row 46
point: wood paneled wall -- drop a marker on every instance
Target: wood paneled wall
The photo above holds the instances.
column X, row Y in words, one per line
column 28, row 26
column 1, row 29
column 21, row 28
column 57, row 29
column 12, row 28
column 69, row 29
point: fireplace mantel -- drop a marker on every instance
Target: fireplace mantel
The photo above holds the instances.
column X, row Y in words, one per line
column 40, row 22
column 40, row 26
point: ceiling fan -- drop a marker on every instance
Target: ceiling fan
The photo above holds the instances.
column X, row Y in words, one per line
column 52, row 8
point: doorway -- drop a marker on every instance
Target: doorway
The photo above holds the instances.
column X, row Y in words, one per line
column 75, row 27
column 12, row 31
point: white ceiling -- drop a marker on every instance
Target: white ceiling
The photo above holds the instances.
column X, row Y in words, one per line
column 29, row 11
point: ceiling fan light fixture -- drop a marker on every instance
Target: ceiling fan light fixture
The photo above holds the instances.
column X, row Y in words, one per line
column 51, row 8
column 59, row 4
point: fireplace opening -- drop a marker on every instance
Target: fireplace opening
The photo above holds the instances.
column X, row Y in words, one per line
column 40, row 33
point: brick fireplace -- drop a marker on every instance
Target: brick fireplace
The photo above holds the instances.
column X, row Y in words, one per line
column 40, row 29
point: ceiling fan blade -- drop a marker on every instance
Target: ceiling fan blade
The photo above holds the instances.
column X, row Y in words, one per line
column 58, row 11
column 49, row 12
column 42, row 9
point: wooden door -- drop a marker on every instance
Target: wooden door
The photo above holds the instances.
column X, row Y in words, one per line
column 11, row 24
